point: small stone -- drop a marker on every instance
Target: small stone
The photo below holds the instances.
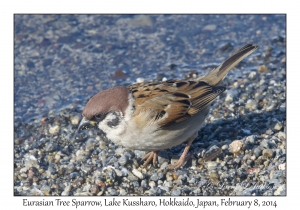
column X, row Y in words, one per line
column 119, row 74
column 264, row 144
column 51, row 147
column 210, row 27
column 123, row 160
column 176, row 192
column 236, row 146
column 164, row 165
column 122, row 192
column 262, row 69
column 152, row 184
column 251, row 105
column 66, row 191
column 278, row 126
column 112, row 191
column 118, row 172
column 54, row 129
column 238, row 190
column 225, row 147
column 56, row 97
column 124, row 171
column 57, row 157
column 30, row 161
column 138, row 174
column 90, row 144
column 102, row 145
column 228, row 98
column 154, row 177
column 282, row 107
column 281, row 166
column 45, row 189
column 252, row 75
column 120, row 151
column 268, row 153
column 75, row 120
column 277, row 174
column 131, row 177
column 86, row 188
column 95, row 189
column 169, row 176
column 250, row 139
column 144, row 184
column 211, row 165
column 140, row 80
column 281, row 136
column 281, row 190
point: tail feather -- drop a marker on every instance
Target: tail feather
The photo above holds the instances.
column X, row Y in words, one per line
column 217, row 75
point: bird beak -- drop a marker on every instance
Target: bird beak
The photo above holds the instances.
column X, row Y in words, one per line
column 85, row 123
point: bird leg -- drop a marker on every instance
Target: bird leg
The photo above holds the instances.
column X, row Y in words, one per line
column 183, row 156
column 150, row 156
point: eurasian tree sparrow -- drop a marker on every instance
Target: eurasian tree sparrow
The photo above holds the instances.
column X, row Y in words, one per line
column 153, row 116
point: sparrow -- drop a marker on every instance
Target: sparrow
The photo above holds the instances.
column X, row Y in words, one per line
column 153, row 116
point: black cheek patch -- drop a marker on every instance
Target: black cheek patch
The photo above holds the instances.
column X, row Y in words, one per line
column 114, row 122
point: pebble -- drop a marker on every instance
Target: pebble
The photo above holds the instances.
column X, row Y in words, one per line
column 280, row 190
column 94, row 189
column 236, row 146
column 138, row 174
column 118, row 172
column 54, row 129
column 123, row 160
column 268, row 153
column 176, row 192
column 281, row 166
column 152, row 184
column 112, row 191
column 262, row 69
column 211, row 165
column 45, row 189
column 66, row 192
column 257, row 152
column 75, row 120
column 250, row 139
column 281, row 136
column 251, row 105
column 140, row 80
column 210, row 27
column 252, row 75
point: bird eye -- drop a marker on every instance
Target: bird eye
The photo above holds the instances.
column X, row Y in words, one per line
column 98, row 116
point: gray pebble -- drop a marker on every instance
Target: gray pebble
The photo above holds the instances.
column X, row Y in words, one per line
column 132, row 177
column 123, row 160
column 268, row 153
column 138, row 174
column 281, row 190
column 144, row 184
column 250, row 139
column 112, row 191
column 176, row 192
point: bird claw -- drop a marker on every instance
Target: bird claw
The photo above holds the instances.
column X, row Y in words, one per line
column 179, row 163
column 150, row 156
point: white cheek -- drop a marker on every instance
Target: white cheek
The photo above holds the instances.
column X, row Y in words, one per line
column 112, row 131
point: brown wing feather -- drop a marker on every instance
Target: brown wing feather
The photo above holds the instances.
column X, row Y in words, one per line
column 172, row 102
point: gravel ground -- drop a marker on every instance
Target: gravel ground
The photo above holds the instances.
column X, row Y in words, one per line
column 63, row 60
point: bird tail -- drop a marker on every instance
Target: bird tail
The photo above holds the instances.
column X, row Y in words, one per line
column 217, row 75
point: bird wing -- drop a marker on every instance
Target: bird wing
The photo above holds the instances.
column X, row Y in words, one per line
column 172, row 101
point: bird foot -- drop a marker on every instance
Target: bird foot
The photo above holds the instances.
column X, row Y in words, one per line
column 150, row 156
column 179, row 163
